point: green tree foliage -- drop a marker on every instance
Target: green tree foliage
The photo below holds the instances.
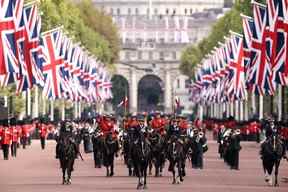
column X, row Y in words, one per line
column 101, row 23
column 120, row 89
column 78, row 21
column 232, row 20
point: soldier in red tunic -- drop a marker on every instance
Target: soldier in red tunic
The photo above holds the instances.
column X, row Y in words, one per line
column 6, row 137
column 106, row 125
column 158, row 124
column 15, row 134
column 42, row 133
column 183, row 125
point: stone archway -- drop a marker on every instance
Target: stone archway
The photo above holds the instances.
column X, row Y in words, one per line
column 120, row 90
column 150, row 93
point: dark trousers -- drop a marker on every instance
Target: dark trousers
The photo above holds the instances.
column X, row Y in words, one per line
column 14, row 149
column 42, row 139
column 5, row 149
column 234, row 159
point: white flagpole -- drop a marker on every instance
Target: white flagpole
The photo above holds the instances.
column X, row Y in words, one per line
column 43, row 105
column 232, row 109
column 63, row 110
column 246, row 110
column 36, row 103
column 236, row 103
column 261, row 112
column 75, row 109
column 279, row 102
column 253, row 103
column 52, row 110
column 28, row 92
column 241, row 110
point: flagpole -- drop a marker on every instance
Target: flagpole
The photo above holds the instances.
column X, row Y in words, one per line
column 261, row 107
column 52, row 110
column 279, row 102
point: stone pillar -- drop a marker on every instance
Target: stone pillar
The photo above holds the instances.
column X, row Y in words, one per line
column 241, row 117
column 168, row 92
column 133, row 91
column 75, row 109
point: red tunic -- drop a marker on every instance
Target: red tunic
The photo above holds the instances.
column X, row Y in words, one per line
column 43, row 130
column 158, row 124
column 106, row 126
column 6, row 137
column 25, row 130
column 15, row 133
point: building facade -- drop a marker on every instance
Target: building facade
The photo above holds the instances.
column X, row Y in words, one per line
column 153, row 34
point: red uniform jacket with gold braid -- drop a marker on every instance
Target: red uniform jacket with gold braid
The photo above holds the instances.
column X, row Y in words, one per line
column 158, row 124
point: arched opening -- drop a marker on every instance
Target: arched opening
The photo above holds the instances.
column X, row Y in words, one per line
column 150, row 94
column 120, row 90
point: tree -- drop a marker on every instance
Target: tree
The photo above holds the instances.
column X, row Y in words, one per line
column 78, row 26
column 230, row 21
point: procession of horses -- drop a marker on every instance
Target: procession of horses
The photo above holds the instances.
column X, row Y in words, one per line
column 147, row 142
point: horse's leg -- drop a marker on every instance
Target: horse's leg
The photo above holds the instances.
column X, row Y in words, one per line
column 112, row 167
column 265, row 171
column 63, row 176
column 277, row 163
column 173, row 172
column 269, row 168
column 145, row 177
column 150, row 167
column 107, row 171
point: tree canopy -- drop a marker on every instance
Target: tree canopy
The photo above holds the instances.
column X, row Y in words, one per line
column 84, row 23
column 232, row 20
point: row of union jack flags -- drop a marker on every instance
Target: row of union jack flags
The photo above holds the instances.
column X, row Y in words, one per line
column 49, row 60
column 255, row 61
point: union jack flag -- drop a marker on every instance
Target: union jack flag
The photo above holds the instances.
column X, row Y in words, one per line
column 28, row 48
column 237, row 65
column 260, row 67
column 9, row 16
column 52, row 62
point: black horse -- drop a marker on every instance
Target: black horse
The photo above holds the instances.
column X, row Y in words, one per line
column 272, row 151
column 141, row 155
column 67, row 153
column 157, row 154
column 176, row 157
column 110, row 149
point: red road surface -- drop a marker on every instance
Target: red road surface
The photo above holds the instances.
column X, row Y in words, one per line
column 35, row 170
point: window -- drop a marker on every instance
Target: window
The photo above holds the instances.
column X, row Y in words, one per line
column 111, row 11
column 136, row 11
column 167, row 11
column 127, row 55
column 129, row 11
column 174, row 55
column 139, row 55
column 118, row 11
column 191, row 11
column 155, row 11
column 174, row 11
column 161, row 55
column 148, row 11
column 178, row 83
column 185, row 11
column 150, row 55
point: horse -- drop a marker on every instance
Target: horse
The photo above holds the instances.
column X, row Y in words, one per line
column 176, row 157
column 141, row 155
column 110, row 149
column 157, row 154
column 272, row 151
column 67, row 153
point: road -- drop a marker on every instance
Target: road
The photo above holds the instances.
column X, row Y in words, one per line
column 35, row 170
